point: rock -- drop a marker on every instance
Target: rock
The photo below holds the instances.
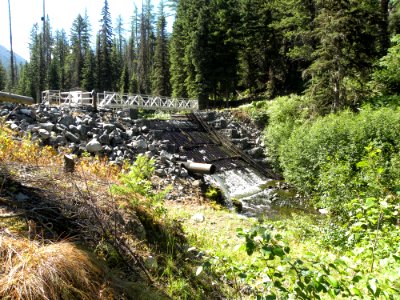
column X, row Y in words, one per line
column 60, row 128
column 107, row 149
column 183, row 173
column 14, row 126
column 257, row 152
column 115, row 139
column 109, row 127
column 83, row 130
column 242, row 144
column 44, row 134
column 160, row 172
column 230, row 133
column 26, row 112
column 198, row 218
column 66, row 120
column 196, row 183
column 72, row 137
column 104, row 139
column 93, row 146
column 47, row 126
column 73, row 129
column 60, row 140
column 139, row 145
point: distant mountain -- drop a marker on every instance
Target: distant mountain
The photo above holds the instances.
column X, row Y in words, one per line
column 5, row 57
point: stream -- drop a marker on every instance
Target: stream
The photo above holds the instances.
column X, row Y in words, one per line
column 259, row 196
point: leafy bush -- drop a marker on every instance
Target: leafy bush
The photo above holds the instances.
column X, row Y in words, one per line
column 285, row 113
column 312, row 275
column 339, row 156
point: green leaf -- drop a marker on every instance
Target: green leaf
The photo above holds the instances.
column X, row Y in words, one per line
column 278, row 251
column 370, row 202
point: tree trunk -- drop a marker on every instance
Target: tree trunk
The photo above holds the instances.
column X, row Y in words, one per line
column 385, row 37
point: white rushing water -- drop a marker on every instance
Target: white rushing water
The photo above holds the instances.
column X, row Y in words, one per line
column 246, row 186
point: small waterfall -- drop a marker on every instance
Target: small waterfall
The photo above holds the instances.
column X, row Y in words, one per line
column 246, row 186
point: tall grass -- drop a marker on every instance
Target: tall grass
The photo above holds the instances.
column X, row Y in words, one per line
column 30, row 270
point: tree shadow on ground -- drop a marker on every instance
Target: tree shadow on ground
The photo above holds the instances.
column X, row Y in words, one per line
column 53, row 214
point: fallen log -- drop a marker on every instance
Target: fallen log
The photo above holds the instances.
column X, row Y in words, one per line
column 8, row 97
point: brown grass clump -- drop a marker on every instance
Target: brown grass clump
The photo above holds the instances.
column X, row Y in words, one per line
column 30, row 270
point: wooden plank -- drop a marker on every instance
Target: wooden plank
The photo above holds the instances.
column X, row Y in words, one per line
column 8, row 97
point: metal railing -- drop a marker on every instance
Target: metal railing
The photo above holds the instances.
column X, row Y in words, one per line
column 118, row 101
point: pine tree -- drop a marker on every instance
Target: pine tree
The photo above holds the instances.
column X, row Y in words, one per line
column 3, row 77
column 24, row 82
column 80, row 41
column 104, row 48
column 161, row 75
column 35, row 67
column 347, row 33
column 123, row 85
column 60, row 55
column 146, row 49
column 89, row 71
column 131, row 53
column 177, row 51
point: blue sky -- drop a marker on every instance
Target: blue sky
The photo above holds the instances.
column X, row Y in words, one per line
column 25, row 13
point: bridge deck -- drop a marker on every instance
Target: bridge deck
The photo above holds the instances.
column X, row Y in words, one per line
column 118, row 101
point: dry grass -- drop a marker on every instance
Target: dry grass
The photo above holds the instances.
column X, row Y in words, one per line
column 30, row 270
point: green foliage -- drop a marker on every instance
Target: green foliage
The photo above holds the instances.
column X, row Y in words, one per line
column 3, row 77
column 284, row 114
column 339, row 156
column 310, row 276
column 342, row 27
column 214, row 194
column 387, row 76
column 161, row 73
column 138, row 182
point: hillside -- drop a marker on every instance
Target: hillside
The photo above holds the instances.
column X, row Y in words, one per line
column 5, row 57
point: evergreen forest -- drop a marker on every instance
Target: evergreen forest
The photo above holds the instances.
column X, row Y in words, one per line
column 220, row 50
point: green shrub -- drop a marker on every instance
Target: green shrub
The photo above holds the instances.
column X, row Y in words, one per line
column 339, row 156
column 138, row 182
column 285, row 114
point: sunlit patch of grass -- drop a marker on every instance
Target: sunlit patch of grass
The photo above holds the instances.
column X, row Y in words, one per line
column 30, row 270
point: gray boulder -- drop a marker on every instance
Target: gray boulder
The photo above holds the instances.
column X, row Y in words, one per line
column 47, row 126
column 72, row 137
column 93, row 146
column 66, row 120
column 139, row 145
column 44, row 134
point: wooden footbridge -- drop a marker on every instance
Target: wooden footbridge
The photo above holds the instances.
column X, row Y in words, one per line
column 114, row 100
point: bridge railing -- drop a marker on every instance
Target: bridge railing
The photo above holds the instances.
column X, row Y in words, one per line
column 72, row 99
column 118, row 101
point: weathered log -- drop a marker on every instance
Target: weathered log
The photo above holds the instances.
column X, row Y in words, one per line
column 8, row 97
